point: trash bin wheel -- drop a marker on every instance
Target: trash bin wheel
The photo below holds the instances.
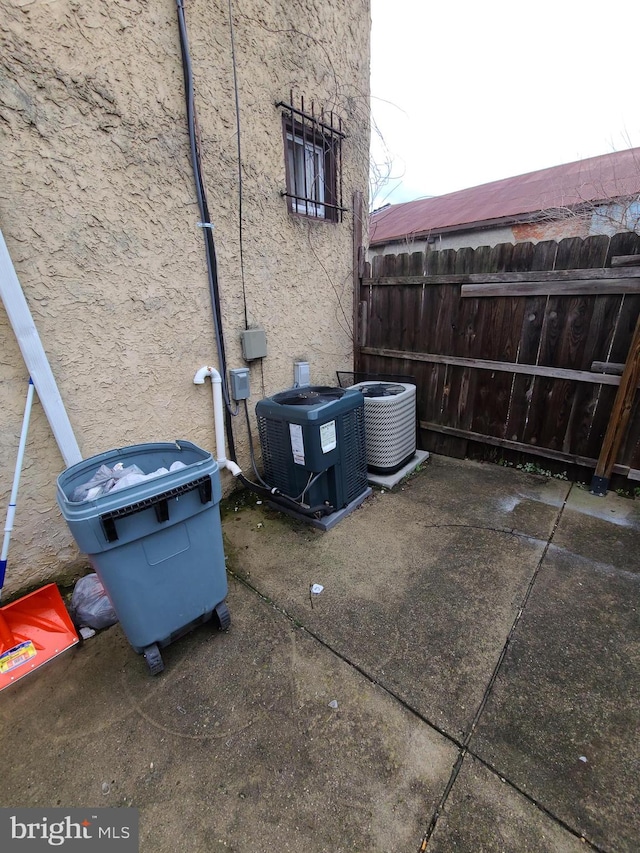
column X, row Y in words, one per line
column 154, row 659
column 222, row 617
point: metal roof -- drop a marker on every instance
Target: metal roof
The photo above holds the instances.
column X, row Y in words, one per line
column 520, row 198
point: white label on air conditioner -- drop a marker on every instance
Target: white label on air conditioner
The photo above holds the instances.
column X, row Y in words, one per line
column 328, row 436
column 297, row 443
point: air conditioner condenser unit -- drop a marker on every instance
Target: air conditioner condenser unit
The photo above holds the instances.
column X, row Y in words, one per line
column 390, row 424
column 313, row 445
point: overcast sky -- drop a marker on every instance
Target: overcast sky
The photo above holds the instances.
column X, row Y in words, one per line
column 468, row 92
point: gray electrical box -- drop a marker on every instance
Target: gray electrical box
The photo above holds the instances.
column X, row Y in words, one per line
column 254, row 344
column 301, row 374
column 239, row 382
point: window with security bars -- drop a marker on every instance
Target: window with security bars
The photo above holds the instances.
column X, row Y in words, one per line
column 313, row 160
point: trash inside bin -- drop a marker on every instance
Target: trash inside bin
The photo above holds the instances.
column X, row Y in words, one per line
column 111, row 479
column 156, row 545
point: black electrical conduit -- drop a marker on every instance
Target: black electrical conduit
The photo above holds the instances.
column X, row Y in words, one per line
column 207, row 227
column 271, row 494
column 279, row 497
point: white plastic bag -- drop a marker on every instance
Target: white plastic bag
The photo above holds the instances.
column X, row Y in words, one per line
column 107, row 480
column 132, row 478
column 103, row 481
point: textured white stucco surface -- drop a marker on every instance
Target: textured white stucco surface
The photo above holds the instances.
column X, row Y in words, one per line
column 99, row 212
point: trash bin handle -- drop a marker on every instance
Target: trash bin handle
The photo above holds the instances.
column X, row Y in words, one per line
column 159, row 502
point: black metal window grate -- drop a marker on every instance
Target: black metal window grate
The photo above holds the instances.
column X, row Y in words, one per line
column 313, row 160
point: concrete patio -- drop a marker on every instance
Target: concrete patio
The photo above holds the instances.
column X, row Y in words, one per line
column 468, row 679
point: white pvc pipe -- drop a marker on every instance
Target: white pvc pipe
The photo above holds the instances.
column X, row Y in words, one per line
column 218, row 416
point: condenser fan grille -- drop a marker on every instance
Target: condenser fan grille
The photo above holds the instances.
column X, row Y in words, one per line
column 312, row 396
column 382, row 389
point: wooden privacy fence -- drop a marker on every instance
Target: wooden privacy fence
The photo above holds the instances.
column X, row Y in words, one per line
column 517, row 346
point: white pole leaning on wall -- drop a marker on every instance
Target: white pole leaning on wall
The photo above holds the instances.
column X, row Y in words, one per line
column 35, row 358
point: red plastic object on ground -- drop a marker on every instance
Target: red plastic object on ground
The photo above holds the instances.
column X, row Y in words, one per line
column 34, row 629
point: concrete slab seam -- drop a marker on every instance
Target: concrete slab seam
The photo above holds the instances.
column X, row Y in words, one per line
column 534, row 802
column 454, row 741
column 462, row 746
column 485, row 698
column 463, row 750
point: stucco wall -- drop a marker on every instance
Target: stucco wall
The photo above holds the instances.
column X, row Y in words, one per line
column 98, row 209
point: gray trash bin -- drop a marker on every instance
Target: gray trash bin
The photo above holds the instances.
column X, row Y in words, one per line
column 157, row 545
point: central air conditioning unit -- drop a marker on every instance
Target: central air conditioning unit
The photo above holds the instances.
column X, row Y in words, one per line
column 390, row 424
column 313, row 444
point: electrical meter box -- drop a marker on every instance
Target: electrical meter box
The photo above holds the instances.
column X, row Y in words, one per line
column 254, row 344
column 239, row 382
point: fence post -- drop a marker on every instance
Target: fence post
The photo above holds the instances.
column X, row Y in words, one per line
column 619, row 418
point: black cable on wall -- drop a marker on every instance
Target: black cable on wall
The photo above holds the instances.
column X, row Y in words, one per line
column 207, row 227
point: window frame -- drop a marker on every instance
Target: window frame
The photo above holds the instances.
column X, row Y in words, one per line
column 313, row 158
column 306, row 163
